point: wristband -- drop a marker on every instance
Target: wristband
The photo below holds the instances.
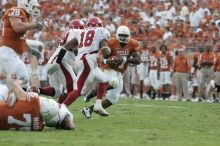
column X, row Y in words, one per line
column 105, row 61
column 61, row 54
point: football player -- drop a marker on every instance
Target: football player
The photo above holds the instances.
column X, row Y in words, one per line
column 30, row 112
column 154, row 64
column 165, row 71
column 62, row 76
column 121, row 47
column 16, row 22
column 89, row 43
column 143, row 66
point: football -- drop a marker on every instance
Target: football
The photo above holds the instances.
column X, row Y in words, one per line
column 114, row 61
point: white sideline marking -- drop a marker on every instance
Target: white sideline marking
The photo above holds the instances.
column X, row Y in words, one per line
column 153, row 106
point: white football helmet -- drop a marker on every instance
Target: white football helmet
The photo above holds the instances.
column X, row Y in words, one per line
column 123, row 34
column 53, row 114
column 32, row 7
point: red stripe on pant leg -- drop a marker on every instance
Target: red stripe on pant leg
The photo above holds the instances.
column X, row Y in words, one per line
column 50, row 91
column 84, row 75
column 68, row 77
column 72, row 96
column 101, row 90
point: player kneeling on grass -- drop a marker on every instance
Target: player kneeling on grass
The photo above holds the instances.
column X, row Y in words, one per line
column 123, row 51
column 28, row 111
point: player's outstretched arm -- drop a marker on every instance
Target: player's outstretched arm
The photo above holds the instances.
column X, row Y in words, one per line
column 16, row 92
column 21, row 27
column 70, row 45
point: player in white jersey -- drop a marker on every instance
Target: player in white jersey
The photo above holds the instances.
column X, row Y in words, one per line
column 143, row 66
column 52, row 113
column 62, row 76
column 89, row 43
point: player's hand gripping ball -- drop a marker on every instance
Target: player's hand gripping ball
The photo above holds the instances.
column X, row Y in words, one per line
column 114, row 61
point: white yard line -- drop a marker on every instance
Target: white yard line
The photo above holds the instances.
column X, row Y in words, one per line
column 153, row 106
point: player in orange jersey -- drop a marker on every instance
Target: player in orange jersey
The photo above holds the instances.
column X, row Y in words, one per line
column 154, row 65
column 166, row 61
column 122, row 47
column 28, row 111
column 16, row 22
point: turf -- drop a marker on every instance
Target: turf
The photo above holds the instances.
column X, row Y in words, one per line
column 132, row 122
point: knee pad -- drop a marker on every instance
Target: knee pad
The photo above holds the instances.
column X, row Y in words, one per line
column 114, row 83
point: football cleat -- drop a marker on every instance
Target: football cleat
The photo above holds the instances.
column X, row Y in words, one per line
column 100, row 110
column 87, row 112
column 197, row 99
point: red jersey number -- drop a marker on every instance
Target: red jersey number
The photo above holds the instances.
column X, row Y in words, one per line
column 63, row 38
column 88, row 40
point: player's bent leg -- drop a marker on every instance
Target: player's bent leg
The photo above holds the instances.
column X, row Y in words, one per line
column 98, row 105
column 70, row 77
column 87, row 111
column 12, row 64
column 21, row 73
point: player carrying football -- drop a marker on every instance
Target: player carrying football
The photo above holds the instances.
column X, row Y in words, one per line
column 124, row 50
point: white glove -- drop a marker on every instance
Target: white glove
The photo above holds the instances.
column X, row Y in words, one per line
column 10, row 101
column 38, row 25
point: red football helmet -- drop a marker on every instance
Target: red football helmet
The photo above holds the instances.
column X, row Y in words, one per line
column 94, row 22
column 76, row 24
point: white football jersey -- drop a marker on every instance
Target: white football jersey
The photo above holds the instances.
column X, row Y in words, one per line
column 144, row 56
column 89, row 39
column 4, row 91
column 67, row 36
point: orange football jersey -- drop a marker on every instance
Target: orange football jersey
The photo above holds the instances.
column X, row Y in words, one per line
column 10, row 38
column 117, row 50
column 25, row 116
column 165, row 60
column 217, row 63
column 154, row 60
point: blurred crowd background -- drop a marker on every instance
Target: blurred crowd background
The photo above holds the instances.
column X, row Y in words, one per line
column 178, row 24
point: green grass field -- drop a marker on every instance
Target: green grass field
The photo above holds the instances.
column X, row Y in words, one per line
column 132, row 122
